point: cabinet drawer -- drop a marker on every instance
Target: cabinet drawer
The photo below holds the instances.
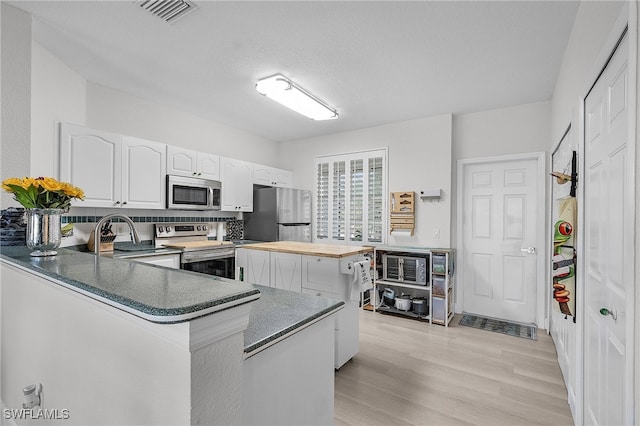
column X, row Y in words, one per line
column 321, row 273
column 441, row 308
column 438, row 310
column 439, row 263
column 319, row 293
column 439, row 286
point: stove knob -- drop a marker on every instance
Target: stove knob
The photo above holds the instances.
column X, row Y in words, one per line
column 168, row 229
column 160, row 229
column 199, row 228
column 204, row 227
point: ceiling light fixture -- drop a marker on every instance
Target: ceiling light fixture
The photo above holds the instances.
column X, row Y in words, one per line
column 286, row 92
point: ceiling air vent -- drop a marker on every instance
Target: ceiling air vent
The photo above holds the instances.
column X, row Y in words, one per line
column 167, row 10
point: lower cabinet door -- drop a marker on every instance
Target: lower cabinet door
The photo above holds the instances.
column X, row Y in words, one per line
column 321, row 273
column 286, row 271
column 347, row 333
column 257, row 270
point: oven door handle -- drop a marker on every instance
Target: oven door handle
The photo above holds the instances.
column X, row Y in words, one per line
column 204, row 255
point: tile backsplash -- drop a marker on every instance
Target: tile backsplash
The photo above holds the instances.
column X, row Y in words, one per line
column 148, row 219
column 235, row 230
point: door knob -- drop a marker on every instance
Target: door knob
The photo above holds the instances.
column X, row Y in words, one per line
column 530, row 250
column 606, row 311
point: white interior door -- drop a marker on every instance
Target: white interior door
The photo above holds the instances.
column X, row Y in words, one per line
column 501, row 239
column 609, row 251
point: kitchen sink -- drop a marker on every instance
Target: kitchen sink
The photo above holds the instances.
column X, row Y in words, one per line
column 129, row 246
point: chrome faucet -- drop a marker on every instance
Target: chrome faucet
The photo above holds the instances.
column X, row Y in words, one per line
column 96, row 232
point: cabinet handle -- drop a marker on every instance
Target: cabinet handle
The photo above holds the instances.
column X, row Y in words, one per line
column 318, row 259
column 199, row 173
column 116, row 203
column 124, row 202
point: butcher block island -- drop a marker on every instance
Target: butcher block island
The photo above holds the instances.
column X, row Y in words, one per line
column 311, row 249
column 323, row 270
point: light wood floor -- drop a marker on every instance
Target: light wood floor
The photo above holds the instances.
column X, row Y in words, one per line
column 412, row 373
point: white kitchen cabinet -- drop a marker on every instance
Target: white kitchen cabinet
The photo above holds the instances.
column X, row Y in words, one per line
column 237, row 185
column 315, row 275
column 186, row 162
column 319, row 273
column 286, row 273
column 113, row 170
column 91, row 159
column 143, row 174
column 255, row 266
column 292, row 383
column 271, row 176
column 271, row 269
column 324, row 277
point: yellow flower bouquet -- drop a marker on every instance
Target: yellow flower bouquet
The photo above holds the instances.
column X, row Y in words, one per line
column 42, row 192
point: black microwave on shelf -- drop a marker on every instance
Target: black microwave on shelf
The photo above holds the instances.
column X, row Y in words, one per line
column 405, row 269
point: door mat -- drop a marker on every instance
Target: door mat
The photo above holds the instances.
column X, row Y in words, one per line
column 500, row 326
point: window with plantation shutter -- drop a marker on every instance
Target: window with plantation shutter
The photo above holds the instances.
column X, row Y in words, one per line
column 350, row 198
column 322, row 201
column 356, row 201
column 338, row 201
column 376, row 194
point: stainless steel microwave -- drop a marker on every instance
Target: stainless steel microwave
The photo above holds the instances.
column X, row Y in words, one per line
column 188, row 193
column 405, row 269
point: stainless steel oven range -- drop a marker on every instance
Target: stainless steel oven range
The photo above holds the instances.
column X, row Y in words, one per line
column 199, row 254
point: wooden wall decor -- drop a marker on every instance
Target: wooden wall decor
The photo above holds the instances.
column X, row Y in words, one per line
column 402, row 212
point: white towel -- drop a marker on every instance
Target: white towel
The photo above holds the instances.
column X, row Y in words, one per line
column 362, row 276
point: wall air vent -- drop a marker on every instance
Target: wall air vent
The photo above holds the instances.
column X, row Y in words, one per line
column 168, row 10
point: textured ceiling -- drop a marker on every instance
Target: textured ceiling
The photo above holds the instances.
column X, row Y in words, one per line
column 376, row 62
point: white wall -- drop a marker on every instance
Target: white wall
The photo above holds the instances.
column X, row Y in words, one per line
column 119, row 112
column 57, row 94
column 104, row 366
column 15, row 83
column 590, row 30
column 61, row 94
column 515, row 130
column 419, row 158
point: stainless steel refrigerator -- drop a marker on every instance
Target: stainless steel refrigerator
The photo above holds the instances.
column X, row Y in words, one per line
column 279, row 214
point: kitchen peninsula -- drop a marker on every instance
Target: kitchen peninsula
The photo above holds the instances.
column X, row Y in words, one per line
column 120, row 342
column 324, row 270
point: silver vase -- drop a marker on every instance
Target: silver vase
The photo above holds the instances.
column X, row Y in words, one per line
column 43, row 231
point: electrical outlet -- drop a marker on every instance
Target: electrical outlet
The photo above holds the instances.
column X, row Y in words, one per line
column 436, row 233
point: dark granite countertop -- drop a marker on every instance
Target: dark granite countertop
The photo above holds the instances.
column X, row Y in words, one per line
column 126, row 249
column 280, row 313
column 165, row 295
column 151, row 292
